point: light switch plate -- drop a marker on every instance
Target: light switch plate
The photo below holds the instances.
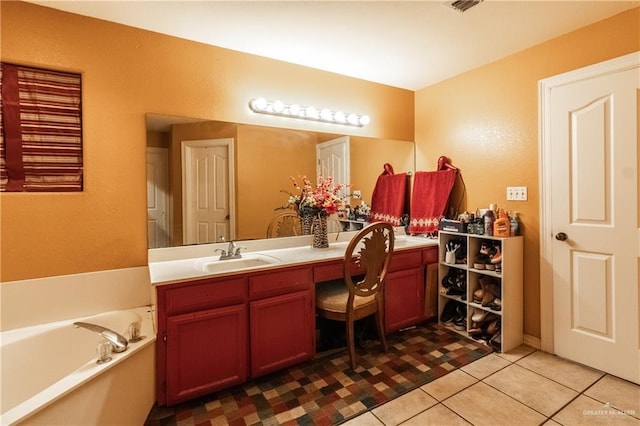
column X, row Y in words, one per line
column 516, row 193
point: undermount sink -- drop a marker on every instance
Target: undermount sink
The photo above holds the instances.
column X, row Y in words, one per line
column 249, row 260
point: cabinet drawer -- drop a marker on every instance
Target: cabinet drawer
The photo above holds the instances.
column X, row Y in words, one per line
column 332, row 271
column 406, row 259
column 279, row 282
column 205, row 295
column 430, row 255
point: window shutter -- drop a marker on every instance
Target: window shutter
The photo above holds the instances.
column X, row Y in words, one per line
column 40, row 130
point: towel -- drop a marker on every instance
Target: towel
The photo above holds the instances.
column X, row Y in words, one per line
column 429, row 199
column 387, row 200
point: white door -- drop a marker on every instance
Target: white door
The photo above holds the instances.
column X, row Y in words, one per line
column 207, row 184
column 333, row 159
column 158, row 230
column 593, row 217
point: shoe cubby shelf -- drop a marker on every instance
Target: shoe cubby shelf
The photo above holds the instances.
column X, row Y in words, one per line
column 481, row 295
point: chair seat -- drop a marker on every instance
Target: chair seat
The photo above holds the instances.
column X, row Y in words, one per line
column 332, row 296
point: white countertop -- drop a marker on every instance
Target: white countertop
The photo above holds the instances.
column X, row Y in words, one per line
column 184, row 263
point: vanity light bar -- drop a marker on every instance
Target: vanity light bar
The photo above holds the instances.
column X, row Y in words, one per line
column 262, row 106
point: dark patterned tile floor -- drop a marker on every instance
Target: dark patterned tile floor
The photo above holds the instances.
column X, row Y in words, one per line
column 325, row 391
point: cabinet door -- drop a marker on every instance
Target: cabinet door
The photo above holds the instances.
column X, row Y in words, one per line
column 404, row 298
column 431, row 291
column 282, row 331
column 206, row 351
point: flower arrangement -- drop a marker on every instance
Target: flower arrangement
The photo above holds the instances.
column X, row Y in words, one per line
column 324, row 198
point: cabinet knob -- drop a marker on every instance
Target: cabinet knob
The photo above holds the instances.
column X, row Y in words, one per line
column 561, row 236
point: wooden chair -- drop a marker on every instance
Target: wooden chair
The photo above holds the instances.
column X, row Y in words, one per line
column 360, row 293
column 285, row 224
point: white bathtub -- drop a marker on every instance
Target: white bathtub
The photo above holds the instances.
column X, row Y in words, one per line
column 49, row 370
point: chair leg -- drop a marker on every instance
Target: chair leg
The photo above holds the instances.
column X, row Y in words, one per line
column 380, row 327
column 351, row 343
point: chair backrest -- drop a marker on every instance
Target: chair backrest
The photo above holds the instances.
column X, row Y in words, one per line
column 285, row 224
column 369, row 252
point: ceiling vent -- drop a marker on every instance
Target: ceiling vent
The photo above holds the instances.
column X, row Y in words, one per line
column 463, row 5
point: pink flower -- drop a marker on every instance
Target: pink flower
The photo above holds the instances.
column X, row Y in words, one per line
column 324, row 198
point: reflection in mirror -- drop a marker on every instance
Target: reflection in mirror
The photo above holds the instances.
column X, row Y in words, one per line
column 208, row 180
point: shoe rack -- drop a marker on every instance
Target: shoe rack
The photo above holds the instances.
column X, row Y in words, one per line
column 497, row 286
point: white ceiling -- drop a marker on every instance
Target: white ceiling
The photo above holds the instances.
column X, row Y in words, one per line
column 405, row 44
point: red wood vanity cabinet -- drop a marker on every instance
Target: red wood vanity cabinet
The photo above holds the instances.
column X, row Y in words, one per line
column 221, row 331
column 410, row 290
column 410, row 293
column 217, row 332
column 282, row 313
column 202, row 337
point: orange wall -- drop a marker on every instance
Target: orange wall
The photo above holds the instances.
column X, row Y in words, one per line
column 368, row 157
column 486, row 121
column 129, row 72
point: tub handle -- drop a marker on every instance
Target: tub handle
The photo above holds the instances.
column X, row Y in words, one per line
column 118, row 342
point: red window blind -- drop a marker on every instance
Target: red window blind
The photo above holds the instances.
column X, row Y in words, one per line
column 40, row 130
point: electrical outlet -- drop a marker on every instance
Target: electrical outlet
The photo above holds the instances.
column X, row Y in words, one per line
column 516, row 193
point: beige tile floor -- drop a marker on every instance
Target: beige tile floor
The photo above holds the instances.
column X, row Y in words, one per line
column 523, row 387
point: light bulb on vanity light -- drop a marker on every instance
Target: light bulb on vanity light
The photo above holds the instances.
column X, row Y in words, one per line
column 313, row 113
column 258, row 104
column 325, row 114
column 279, row 108
column 340, row 117
column 294, row 109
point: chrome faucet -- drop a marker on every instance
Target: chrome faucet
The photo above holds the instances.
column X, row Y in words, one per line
column 118, row 342
column 232, row 252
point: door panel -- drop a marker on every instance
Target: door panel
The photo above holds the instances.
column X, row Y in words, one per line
column 333, row 160
column 206, row 351
column 158, row 230
column 594, row 187
column 282, row 331
column 206, row 186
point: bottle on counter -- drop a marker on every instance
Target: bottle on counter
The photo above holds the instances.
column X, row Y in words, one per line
column 502, row 226
column 515, row 223
column 489, row 218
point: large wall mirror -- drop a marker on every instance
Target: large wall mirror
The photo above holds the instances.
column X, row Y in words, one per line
column 239, row 175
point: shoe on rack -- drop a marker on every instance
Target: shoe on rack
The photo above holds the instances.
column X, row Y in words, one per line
column 487, row 299
column 475, row 329
column 496, row 254
column 460, row 323
column 493, row 328
column 449, row 313
column 478, row 295
column 481, row 260
column 478, row 315
column 496, row 305
column 496, row 342
column 460, row 319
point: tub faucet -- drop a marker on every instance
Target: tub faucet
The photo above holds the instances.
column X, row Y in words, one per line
column 118, row 342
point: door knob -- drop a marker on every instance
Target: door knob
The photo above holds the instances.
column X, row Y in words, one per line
column 561, row 236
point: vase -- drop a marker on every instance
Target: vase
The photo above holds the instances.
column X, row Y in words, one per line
column 320, row 236
column 306, row 220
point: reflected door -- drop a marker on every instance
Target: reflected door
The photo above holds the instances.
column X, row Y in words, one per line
column 206, row 187
column 333, row 159
column 158, row 230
